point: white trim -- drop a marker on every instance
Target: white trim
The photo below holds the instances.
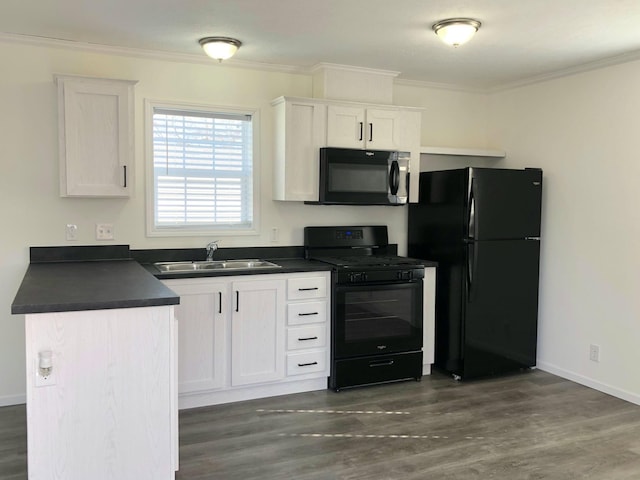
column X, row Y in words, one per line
column 250, row 392
column 198, row 58
column 151, row 230
column 9, row 400
column 589, row 382
column 567, row 72
column 350, row 68
column 440, row 86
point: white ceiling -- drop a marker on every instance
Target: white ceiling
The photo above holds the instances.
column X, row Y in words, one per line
column 520, row 40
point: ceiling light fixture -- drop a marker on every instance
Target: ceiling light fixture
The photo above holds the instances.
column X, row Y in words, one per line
column 220, row 48
column 456, row 31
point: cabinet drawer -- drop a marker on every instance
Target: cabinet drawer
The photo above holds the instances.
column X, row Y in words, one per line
column 309, row 287
column 309, row 336
column 306, row 312
column 308, row 362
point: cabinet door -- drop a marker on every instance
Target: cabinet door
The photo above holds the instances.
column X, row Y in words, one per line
column 95, row 136
column 357, row 127
column 257, row 331
column 300, row 132
column 345, row 126
column 201, row 335
column 382, row 129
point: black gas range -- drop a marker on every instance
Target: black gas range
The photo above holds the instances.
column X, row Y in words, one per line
column 377, row 299
column 360, row 254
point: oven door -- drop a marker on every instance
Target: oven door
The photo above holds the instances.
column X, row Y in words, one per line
column 376, row 319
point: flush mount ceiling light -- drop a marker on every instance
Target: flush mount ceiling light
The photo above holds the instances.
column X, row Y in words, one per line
column 456, row 31
column 220, row 48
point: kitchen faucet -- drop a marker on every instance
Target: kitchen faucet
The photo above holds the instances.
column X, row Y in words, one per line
column 211, row 247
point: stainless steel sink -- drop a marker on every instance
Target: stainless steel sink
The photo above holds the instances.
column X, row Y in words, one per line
column 244, row 264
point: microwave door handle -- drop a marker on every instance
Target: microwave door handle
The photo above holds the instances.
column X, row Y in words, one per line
column 394, row 178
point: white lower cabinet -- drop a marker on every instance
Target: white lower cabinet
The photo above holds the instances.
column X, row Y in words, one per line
column 251, row 336
column 107, row 410
column 201, row 334
column 307, row 326
column 257, row 331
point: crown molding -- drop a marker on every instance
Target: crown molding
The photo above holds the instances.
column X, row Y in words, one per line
column 567, row 72
column 441, row 86
column 147, row 54
column 350, row 68
column 204, row 60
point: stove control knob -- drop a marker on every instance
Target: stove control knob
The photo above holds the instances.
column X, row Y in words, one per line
column 357, row 277
column 404, row 275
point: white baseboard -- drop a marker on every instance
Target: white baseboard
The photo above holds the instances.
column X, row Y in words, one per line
column 589, row 382
column 250, row 392
column 13, row 400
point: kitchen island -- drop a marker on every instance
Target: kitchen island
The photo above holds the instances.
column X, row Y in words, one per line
column 101, row 368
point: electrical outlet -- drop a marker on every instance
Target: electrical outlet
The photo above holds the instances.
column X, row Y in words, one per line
column 594, row 353
column 44, row 381
column 104, row 231
column 71, row 231
column 274, row 234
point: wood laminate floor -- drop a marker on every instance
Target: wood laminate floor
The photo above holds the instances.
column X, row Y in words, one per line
column 525, row 426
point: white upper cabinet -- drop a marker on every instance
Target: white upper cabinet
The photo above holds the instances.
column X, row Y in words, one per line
column 304, row 125
column 360, row 127
column 300, row 132
column 95, row 131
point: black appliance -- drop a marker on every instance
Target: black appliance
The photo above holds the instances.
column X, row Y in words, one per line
column 482, row 226
column 377, row 299
column 363, row 177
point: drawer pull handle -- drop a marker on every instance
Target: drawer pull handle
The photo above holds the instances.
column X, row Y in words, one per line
column 307, row 364
column 307, row 338
column 381, row 364
column 307, row 289
column 307, row 314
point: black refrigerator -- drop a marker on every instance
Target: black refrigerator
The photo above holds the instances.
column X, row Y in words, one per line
column 482, row 226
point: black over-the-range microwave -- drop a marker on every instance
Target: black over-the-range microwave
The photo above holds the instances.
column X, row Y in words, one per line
column 363, row 177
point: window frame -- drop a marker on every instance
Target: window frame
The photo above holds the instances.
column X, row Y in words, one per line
column 205, row 231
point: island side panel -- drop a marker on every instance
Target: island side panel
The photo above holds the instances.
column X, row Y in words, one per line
column 108, row 413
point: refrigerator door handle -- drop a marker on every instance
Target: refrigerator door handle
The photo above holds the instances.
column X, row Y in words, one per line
column 472, row 211
column 472, row 264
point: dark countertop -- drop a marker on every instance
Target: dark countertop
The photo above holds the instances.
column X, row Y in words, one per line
column 89, row 285
column 61, row 279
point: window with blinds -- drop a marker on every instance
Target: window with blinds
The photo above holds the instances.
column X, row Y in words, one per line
column 202, row 170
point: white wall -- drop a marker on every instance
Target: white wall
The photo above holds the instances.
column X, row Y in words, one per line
column 584, row 132
column 33, row 214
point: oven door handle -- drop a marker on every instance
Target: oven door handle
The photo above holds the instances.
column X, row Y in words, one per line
column 384, row 363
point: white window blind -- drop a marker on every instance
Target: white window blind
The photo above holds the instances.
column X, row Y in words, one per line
column 202, row 169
